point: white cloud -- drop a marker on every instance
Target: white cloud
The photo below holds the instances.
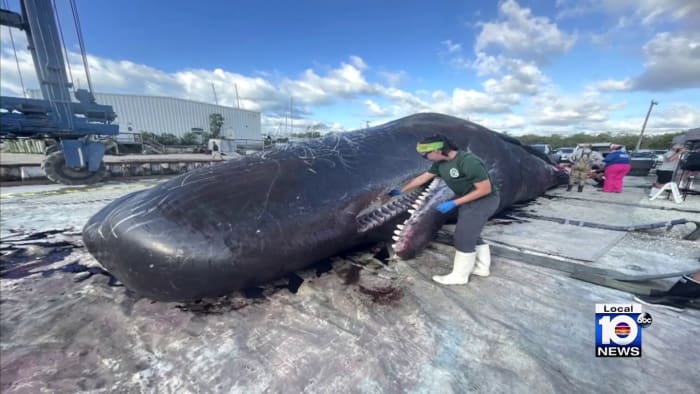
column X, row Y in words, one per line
column 632, row 12
column 394, row 79
column 583, row 111
column 522, row 34
column 525, row 79
column 451, row 46
column 375, row 109
column 466, row 102
column 504, row 123
column 253, row 93
column 672, row 62
column 613, row 85
column 674, row 117
column 486, row 64
column 515, row 77
column 345, row 82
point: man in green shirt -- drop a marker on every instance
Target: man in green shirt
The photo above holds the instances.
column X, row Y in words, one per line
column 476, row 197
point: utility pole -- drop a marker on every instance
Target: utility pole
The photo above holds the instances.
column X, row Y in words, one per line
column 366, row 124
column 238, row 101
column 644, row 126
column 216, row 100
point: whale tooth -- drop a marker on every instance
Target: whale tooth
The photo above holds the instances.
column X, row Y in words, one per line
column 400, row 226
column 416, row 206
column 411, row 211
column 395, row 238
column 397, row 232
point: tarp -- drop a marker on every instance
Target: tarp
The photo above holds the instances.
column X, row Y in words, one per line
column 358, row 327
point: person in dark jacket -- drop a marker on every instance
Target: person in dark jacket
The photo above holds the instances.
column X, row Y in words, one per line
column 617, row 165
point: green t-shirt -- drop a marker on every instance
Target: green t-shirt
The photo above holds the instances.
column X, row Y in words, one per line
column 462, row 172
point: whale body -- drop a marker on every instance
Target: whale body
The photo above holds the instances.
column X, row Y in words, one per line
column 248, row 221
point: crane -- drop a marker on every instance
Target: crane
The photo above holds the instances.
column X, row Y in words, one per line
column 72, row 129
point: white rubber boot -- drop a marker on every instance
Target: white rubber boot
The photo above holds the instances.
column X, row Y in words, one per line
column 463, row 266
column 483, row 260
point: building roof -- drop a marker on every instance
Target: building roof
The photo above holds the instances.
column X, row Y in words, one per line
column 690, row 135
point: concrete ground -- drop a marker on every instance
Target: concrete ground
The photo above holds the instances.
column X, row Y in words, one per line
column 353, row 324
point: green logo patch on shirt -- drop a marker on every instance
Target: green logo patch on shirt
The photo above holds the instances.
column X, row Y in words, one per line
column 461, row 173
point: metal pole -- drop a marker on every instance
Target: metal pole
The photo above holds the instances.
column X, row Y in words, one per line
column 644, row 126
column 238, row 101
column 216, row 99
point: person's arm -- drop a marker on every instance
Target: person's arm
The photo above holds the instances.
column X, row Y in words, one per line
column 481, row 189
column 610, row 157
column 673, row 155
column 418, row 181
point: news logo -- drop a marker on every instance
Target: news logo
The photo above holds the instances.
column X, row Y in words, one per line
column 618, row 330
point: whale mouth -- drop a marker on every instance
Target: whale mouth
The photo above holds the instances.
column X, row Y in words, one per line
column 414, row 233
column 379, row 216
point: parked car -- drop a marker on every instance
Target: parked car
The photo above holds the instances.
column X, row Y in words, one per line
column 547, row 150
column 642, row 162
column 658, row 153
column 564, row 154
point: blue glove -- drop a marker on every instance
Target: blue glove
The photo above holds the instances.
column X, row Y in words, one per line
column 395, row 192
column 446, row 206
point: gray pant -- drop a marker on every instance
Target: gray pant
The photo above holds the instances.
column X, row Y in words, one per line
column 472, row 219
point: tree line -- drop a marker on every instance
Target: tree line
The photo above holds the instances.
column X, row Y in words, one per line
column 657, row 141
column 216, row 121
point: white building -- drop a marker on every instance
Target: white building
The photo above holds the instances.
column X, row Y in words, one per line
column 160, row 115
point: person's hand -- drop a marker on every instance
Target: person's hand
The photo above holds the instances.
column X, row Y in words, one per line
column 446, row 206
column 394, row 193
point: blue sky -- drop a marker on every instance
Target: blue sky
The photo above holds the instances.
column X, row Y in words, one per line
column 559, row 66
